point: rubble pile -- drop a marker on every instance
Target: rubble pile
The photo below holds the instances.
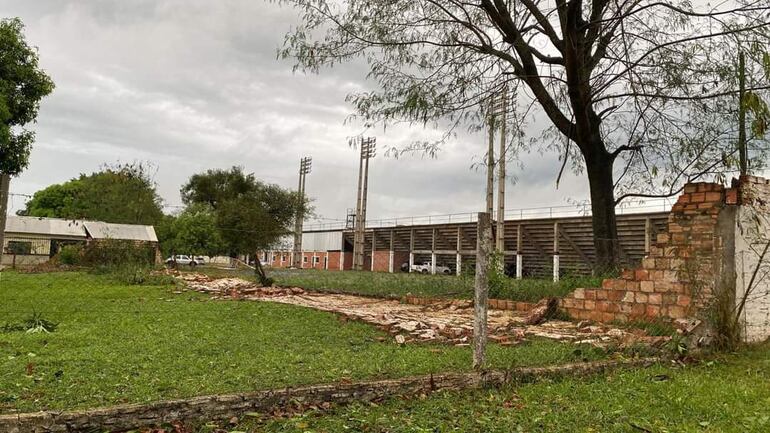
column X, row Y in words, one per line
column 447, row 321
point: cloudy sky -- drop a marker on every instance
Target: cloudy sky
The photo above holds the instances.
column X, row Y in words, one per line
column 189, row 85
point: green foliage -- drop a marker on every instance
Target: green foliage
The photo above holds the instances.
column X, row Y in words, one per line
column 71, row 255
column 135, row 275
column 194, row 231
column 116, row 253
column 22, row 85
column 119, row 344
column 34, row 324
column 123, row 194
column 250, row 214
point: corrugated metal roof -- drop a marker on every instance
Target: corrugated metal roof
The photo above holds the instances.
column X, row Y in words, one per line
column 79, row 229
column 45, row 226
column 134, row 232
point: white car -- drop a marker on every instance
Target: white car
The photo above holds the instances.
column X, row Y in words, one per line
column 183, row 260
column 425, row 268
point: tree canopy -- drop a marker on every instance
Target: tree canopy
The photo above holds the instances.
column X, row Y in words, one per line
column 250, row 215
column 640, row 95
column 120, row 194
column 194, row 231
column 22, row 85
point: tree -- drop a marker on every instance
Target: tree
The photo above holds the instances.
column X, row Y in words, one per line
column 22, row 85
column 118, row 194
column 640, row 83
column 250, row 215
column 194, row 231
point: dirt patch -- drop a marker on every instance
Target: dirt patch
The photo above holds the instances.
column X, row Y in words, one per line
column 449, row 321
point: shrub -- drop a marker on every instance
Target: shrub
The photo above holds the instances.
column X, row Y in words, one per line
column 135, row 275
column 71, row 255
column 114, row 252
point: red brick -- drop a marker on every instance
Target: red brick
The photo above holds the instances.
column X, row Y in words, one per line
column 690, row 188
column 663, row 238
column 648, row 263
column 652, row 311
column 601, row 294
column 641, row 298
column 589, row 305
column 642, row 274
column 596, row 316
column 683, row 301
column 663, row 286
column 628, row 274
column 590, row 294
column 628, row 297
column 731, row 196
column 608, row 317
column 655, row 298
column 639, row 310
column 602, row 306
column 715, row 197
column 632, row 285
column 697, row 197
column 647, row 286
column 613, row 307
column 676, row 312
column 607, row 284
column 616, row 295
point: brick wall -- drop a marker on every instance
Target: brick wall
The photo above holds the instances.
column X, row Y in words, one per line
column 381, row 261
column 677, row 278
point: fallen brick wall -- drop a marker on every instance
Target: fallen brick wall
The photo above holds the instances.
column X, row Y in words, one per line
column 677, row 277
column 225, row 407
column 495, row 304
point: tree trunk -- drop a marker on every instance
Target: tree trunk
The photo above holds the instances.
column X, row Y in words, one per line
column 601, row 183
column 5, row 181
column 481, row 289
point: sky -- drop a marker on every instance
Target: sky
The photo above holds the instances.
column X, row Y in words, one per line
column 191, row 85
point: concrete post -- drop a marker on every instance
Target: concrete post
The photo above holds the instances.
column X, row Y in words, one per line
column 459, row 257
column 411, row 250
column 374, row 248
column 647, row 235
column 481, row 289
column 519, row 255
column 433, row 252
column 391, row 254
column 555, row 252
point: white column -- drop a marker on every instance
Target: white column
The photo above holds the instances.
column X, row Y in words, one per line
column 519, row 266
column 433, row 252
column 555, row 252
column 391, row 254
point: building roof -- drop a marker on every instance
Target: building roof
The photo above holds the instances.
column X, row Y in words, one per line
column 45, row 226
column 79, row 228
column 134, row 232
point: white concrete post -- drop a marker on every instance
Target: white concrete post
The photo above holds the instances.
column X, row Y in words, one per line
column 555, row 252
column 433, row 252
column 519, row 255
column 374, row 244
column 391, row 254
column 459, row 257
column 411, row 250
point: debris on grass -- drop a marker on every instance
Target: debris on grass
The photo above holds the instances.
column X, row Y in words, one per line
column 446, row 321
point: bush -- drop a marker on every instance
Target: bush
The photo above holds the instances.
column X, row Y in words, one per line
column 71, row 255
column 135, row 275
column 114, row 252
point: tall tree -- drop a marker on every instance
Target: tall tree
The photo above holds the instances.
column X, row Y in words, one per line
column 251, row 215
column 639, row 83
column 194, row 231
column 22, row 85
column 117, row 194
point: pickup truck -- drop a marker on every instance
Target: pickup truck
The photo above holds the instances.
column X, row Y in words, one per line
column 425, row 268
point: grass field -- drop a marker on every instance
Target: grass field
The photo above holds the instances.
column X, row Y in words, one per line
column 731, row 394
column 117, row 343
column 400, row 284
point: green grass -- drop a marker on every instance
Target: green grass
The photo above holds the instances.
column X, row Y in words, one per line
column 731, row 394
column 401, row 284
column 117, row 343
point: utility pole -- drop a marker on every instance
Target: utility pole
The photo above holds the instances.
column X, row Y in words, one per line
column 500, row 241
column 304, row 168
column 491, row 160
column 742, row 150
column 368, row 150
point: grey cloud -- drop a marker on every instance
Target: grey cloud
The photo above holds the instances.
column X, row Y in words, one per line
column 194, row 84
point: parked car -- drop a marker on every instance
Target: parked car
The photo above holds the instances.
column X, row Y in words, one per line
column 200, row 260
column 425, row 268
column 182, row 259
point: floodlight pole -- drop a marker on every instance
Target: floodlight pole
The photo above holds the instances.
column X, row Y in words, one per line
column 500, row 242
column 359, row 235
column 304, row 168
